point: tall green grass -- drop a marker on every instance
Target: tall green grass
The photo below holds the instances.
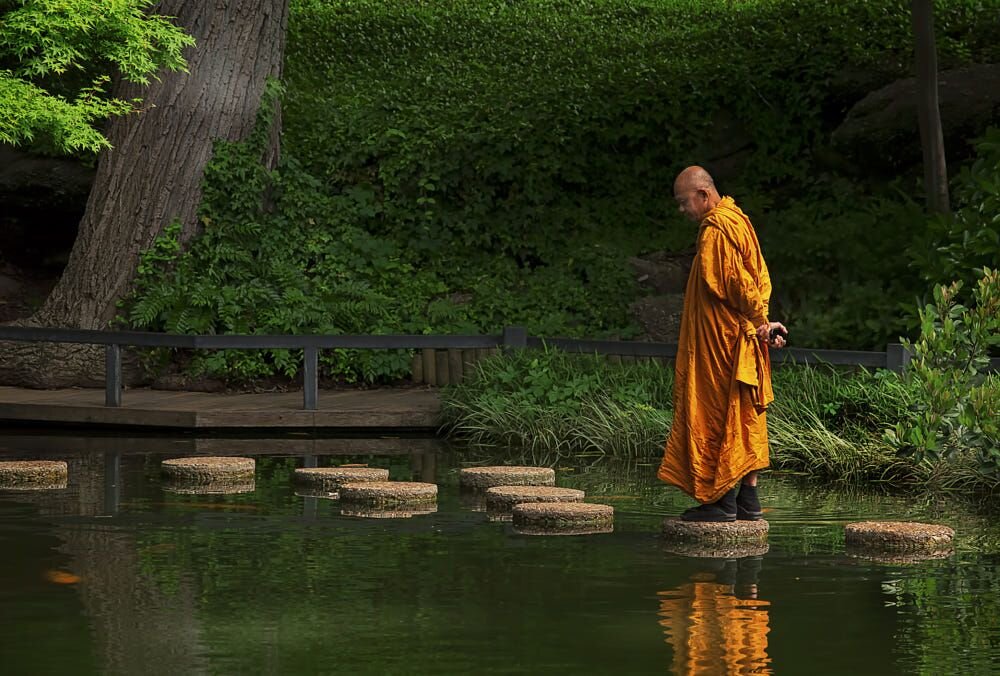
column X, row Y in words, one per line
column 825, row 423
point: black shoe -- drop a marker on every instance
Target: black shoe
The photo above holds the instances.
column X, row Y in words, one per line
column 748, row 504
column 722, row 510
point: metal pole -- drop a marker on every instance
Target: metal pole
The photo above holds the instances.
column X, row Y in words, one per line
column 310, row 376
column 515, row 338
column 112, row 481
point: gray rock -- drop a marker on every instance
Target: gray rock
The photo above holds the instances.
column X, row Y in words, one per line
column 881, row 131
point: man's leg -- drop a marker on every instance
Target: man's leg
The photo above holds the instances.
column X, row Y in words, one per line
column 747, row 503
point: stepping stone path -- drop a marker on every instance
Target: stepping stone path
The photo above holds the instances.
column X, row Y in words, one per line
column 562, row 518
column 325, row 482
column 500, row 500
column 898, row 541
column 481, row 478
column 725, row 535
column 33, row 474
column 387, row 493
column 217, row 471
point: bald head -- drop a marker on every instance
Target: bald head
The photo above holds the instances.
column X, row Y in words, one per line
column 695, row 193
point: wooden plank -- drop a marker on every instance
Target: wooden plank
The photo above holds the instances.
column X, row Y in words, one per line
column 384, row 409
column 430, row 366
column 417, row 367
column 454, row 366
column 443, row 376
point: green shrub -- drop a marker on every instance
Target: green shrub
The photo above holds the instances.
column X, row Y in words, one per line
column 957, row 413
column 458, row 166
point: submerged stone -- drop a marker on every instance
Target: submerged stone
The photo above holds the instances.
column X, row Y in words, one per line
column 403, row 511
column 33, row 475
column 211, row 488
column 481, row 478
column 715, row 535
column 702, row 550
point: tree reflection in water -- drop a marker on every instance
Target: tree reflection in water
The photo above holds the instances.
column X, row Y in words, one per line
column 715, row 623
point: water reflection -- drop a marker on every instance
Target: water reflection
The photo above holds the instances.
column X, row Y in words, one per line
column 715, row 622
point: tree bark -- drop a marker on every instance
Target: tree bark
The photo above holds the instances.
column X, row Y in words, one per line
column 928, row 111
column 152, row 175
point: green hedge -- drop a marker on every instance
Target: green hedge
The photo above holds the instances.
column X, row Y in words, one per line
column 459, row 165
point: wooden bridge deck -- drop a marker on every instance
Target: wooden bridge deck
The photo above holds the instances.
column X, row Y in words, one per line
column 379, row 409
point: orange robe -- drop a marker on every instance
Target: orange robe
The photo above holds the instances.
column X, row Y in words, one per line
column 723, row 373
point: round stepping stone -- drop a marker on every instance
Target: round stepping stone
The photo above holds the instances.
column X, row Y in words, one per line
column 715, row 535
column 389, row 493
column 388, row 511
column 217, row 488
column 500, row 500
column 701, row 550
column 562, row 518
column 328, row 480
column 33, row 475
column 209, row 470
column 481, row 478
column 897, row 536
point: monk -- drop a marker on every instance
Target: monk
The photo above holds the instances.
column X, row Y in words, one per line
column 718, row 439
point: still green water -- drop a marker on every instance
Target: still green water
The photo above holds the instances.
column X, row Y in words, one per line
column 115, row 575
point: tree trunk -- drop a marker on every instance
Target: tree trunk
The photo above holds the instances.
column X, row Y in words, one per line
column 152, row 175
column 928, row 112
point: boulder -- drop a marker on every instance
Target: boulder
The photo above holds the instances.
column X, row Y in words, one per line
column 882, row 133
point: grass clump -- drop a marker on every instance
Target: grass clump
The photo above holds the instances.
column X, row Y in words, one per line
column 825, row 423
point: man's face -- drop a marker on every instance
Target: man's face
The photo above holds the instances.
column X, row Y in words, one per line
column 692, row 203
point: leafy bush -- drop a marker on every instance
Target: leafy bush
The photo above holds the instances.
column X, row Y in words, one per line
column 957, row 413
column 461, row 165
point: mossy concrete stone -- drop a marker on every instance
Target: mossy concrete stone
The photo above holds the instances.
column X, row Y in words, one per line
column 481, row 478
column 330, row 479
column 209, row 470
column 898, row 536
column 500, row 500
column 389, row 492
column 33, row 474
column 711, row 535
column 566, row 518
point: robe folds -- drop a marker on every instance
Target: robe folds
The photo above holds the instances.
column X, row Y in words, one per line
column 722, row 384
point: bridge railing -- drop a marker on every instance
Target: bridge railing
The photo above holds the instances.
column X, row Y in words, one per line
column 894, row 358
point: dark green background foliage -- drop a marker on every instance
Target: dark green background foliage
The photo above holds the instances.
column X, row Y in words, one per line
column 459, row 165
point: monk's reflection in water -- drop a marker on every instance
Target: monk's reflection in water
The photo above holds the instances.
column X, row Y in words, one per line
column 716, row 623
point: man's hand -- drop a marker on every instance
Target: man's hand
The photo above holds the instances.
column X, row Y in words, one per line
column 764, row 334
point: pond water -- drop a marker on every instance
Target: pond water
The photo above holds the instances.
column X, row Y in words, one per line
column 115, row 574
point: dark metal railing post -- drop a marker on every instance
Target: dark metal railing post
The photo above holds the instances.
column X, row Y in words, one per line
column 897, row 357
column 514, row 338
column 310, row 379
column 112, row 481
column 113, row 375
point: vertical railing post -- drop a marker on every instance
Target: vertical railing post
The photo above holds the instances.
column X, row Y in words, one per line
column 514, row 338
column 310, row 379
column 113, row 375
column 897, row 357
column 112, row 481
